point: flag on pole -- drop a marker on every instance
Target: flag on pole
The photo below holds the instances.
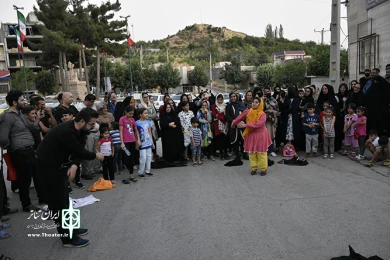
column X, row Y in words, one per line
column 20, row 43
column 130, row 42
column 22, row 26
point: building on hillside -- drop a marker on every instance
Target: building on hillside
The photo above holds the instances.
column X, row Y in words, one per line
column 184, row 82
column 282, row 57
column 9, row 47
column 369, row 36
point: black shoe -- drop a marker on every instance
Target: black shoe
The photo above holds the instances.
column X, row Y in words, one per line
column 245, row 156
column 79, row 242
column 30, row 208
column 149, row 173
column 81, row 231
column 141, row 176
column 263, row 173
column 270, row 162
column 79, row 185
column 70, row 190
column 253, row 172
column 8, row 211
column 87, row 177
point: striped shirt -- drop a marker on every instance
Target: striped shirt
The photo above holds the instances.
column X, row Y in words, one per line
column 195, row 133
column 115, row 136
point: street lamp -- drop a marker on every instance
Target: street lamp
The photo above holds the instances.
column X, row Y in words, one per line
column 128, row 48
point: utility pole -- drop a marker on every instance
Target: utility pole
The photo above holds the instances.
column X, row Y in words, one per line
column 128, row 48
column 24, row 65
column 322, row 34
column 334, row 68
column 211, row 75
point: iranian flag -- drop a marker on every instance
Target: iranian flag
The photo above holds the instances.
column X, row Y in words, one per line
column 22, row 26
column 20, row 43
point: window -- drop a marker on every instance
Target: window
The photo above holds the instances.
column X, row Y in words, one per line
column 368, row 52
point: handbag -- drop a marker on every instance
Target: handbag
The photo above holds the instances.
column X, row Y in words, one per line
column 288, row 150
column 270, row 118
column 11, row 170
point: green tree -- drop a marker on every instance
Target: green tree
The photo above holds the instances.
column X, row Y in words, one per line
column 198, row 77
column 232, row 73
column 18, row 83
column 45, row 82
column 167, row 76
column 320, row 61
column 281, row 32
column 150, row 76
column 269, row 33
column 265, row 76
column 291, row 73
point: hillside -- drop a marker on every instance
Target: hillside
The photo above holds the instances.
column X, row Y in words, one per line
column 194, row 43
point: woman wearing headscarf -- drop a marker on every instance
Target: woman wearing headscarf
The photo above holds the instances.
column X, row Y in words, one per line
column 278, row 94
column 171, row 135
column 356, row 96
column 309, row 95
column 327, row 94
column 233, row 110
column 220, row 126
column 165, row 99
column 205, row 119
column 341, row 97
column 292, row 113
column 257, row 138
column 184, row 97
column 120, row 108
column 271, row 110
column 104, row 115
column 248, row 99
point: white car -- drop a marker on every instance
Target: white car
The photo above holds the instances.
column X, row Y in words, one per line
column 176, row 99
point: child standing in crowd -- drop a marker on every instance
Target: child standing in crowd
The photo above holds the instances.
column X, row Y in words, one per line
column 311, row 122
column 106, row 147
column 129, row 136
column 360, row 131
column 185, row 121
column 196, row 140
column 328, row 122
column 205, row 119
column 116, row 140
column 381, row 153
column 349, row 130
column 145, row 150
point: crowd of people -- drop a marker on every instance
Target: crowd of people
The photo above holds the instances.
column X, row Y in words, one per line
column 59, row 147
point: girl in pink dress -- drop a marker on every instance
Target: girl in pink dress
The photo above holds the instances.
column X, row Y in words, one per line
column 257, row 138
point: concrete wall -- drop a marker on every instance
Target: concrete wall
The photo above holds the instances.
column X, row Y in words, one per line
column 357, row 13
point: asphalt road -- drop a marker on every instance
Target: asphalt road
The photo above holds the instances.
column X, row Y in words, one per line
column 218, row 212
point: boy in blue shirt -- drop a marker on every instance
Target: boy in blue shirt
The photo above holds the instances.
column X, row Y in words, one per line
column 311, row 123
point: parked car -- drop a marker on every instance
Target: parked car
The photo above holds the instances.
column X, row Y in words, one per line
column 176, row 99
column 3, row 107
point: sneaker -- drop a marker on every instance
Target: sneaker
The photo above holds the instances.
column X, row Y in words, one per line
column 263, row 173
column 315, row 155
column 149, row 173
column 141, row 175
column 113, row 182
column 70, row 190
column 200, row 163
column 369, row 164
column 81, row 231
column 331, row 156
column 353, row 154
column 79, row 242
column 79, row 185
column 325, row 156
column 194, row 164
column 31, row 208
column 212, row 158
column 273, row 154
column 359, row 157
column 253, row 172
column 345, row 152
column 386, row 163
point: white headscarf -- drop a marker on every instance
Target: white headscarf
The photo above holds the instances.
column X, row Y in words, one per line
column 220, row 107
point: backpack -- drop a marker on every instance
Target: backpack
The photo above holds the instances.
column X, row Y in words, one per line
column 288, row 150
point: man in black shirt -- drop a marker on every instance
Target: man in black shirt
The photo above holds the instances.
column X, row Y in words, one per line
column 59, row 156
column 65, row 100
column 363, row 80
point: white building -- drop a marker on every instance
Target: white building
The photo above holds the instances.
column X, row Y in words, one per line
column 369, row 36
